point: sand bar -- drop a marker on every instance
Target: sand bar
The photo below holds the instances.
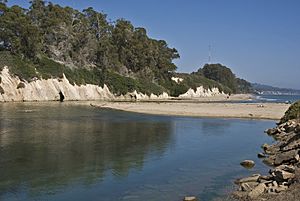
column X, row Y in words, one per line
column 272, row 111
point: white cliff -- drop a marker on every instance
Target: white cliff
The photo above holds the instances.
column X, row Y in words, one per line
column 201, row 92
column 48, row 90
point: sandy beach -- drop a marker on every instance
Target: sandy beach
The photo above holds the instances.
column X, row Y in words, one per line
column 272, row 111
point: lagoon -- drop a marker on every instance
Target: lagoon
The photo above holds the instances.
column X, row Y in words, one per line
column 69, row 152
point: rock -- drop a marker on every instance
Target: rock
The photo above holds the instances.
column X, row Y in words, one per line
column 248, row 164
column 297, row 129
column 271, row 150
column 280, row 188
column 239, row 195
column 293, row 143
column 253, row 178
column 246, row 187
column 21, row 85
column 261, row 155
column 272, row 131
column 190, row 198
column 269, row 161
column 281, row 175
column 257, row 191
column 285, row 157
column 265, row 146
column 265, row 179
column 287, row 168
column 274, row 183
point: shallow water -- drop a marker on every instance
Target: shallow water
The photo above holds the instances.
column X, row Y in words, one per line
column 67, row 152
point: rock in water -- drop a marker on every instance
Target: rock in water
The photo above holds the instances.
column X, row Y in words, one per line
column 247, row 164
column 261, row 155
column 190, row 198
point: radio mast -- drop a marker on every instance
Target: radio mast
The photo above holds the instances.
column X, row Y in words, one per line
column 209, row 54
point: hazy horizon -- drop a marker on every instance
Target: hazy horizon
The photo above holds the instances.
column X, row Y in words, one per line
column 258, row 40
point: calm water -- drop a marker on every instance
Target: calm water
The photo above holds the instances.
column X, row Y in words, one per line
column 278, row 98
column 69, row 153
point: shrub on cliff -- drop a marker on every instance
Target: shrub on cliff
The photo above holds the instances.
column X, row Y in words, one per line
column 292, row 113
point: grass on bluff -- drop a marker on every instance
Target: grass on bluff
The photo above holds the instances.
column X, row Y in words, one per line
column 17, row 66
column 292, row 113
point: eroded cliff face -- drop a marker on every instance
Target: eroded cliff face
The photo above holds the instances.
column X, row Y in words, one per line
column 48, row 90
column 14, row 89
column 201, row 92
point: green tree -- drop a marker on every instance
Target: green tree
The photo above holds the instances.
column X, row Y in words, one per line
column 18, row 34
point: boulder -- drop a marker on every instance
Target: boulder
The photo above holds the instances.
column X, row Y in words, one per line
column 285, row 157
column 245, row 187
column 253, row 178
column 287, row 168
column 248, row 186
column 257, row 191
column 269, row 161
column 190, row 198
column 280, row 188
column 265, row 179
column 272, row 131
column 261, row 155
column 271, row 150
column 281, row 175
column 293, row 143
column 248, row 164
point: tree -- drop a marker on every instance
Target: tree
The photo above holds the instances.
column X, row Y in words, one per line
column 18, row 34
column 220, row 74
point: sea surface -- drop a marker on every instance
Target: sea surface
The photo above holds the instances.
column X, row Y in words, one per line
column 64, row 152
column 278, row 98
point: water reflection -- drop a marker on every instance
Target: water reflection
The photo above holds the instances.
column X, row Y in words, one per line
column 46, row 147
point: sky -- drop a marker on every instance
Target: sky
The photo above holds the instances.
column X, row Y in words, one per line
column 258, row 39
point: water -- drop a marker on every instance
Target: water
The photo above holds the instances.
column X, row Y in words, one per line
column 62, row 152
column 278, row 98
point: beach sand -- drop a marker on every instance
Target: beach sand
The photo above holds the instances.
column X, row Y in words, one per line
column 272, row 111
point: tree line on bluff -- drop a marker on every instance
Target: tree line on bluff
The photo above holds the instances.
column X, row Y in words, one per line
column 47, row 40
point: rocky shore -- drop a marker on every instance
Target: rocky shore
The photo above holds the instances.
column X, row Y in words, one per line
column 283, row 158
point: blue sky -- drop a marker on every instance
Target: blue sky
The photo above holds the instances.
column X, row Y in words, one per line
column 258, row 39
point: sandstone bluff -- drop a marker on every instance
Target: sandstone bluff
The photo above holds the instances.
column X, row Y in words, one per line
column 12, row 89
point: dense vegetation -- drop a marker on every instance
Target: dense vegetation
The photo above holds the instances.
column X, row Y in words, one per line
column 48, row 40
column 224, row 75
column 292, row 113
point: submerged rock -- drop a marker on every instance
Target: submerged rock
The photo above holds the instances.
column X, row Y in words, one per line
column 190, row 198
column 248, row 164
